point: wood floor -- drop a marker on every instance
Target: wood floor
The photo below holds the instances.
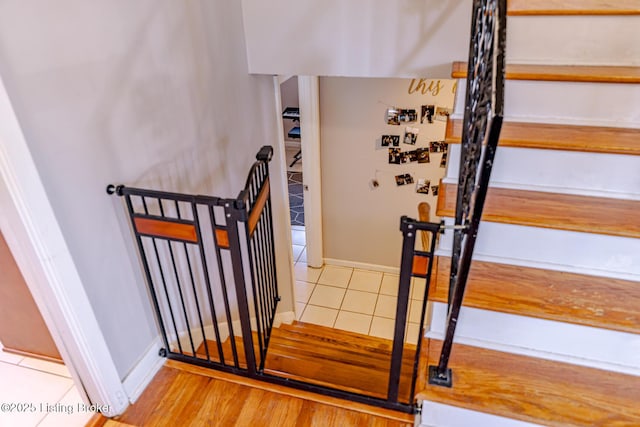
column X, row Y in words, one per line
column 329, row 357
column 186, row 395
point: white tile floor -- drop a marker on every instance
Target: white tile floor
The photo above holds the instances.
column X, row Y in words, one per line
column 362, row 301
column 45, row 388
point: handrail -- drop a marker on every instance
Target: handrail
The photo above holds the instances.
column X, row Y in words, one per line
column 484, row 109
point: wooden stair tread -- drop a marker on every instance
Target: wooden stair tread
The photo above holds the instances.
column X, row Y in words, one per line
column 551, row 210
column 535, row 390
column 593, row 139
column 573, row 7
column 562, row 73
column 599, row 302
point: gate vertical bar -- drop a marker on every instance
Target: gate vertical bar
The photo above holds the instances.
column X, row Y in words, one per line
column 236, row 217
column 402, row 307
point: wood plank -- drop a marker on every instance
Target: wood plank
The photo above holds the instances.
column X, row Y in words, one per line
column 342, row 363
column 146, row 405
column 220, row 408
column 598, row 215
column 97, row 420
column 573, row 7
column 258, row 206
column 535, row 390
column 562, row 73
column 420, row 265
column 166, row 229
column 592, row 139
column 339, row 359
column 600, row 302
column 222, row 238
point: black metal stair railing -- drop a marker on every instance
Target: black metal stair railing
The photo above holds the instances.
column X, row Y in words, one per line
column 484, row 110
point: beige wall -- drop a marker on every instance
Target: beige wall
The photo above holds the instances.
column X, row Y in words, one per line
column 145, row 93
column 361, row 224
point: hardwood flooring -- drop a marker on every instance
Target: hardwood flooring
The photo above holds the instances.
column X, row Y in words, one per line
column 330, row 357
column 186, row 395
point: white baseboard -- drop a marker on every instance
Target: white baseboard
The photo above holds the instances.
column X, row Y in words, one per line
column 362, row 265
column 143, row 372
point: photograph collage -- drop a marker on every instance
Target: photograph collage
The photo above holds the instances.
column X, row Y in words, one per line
column 409, row 135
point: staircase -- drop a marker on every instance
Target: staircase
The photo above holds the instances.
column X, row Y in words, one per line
column 550, row 329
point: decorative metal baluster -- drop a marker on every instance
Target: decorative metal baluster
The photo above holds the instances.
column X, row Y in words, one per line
column 482, row 122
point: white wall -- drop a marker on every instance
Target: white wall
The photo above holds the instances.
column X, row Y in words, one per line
column 361, row 224
column 360, row 38
column 134, row 93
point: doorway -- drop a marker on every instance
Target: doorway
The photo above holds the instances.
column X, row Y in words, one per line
column 30, row 359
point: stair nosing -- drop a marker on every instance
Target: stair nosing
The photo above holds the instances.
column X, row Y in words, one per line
column 562, row 73
column 570, row 8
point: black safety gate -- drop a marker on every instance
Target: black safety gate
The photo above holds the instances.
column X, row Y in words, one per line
column 209, row 263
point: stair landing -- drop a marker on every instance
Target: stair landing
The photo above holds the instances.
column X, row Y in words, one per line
column 333, row 358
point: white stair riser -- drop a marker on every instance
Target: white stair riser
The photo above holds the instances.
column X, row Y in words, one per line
column 610, row 104
column 571, row 40
column 440, row 415
column 567, row 172
column 565, row 342
column 595, row 254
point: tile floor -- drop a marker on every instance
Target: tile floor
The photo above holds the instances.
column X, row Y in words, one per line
column 45, row 385
column 362, row 301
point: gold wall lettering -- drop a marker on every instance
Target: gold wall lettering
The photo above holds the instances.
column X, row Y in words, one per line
column 425, row 86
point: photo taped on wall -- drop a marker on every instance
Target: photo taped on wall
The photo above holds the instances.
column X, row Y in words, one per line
column 408, row 179
column 410, row 135
column 423, row 155
column 407, row 115
column 422, row 186
column 394, row 156
column 438, row 147
column 427, row 112
column 391, row 116
column 412, row 156
column 388, row 140
column 443, row 161
column 443, row 113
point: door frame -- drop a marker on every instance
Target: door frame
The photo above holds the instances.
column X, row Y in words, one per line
column 34, row 237
column 309, row 103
